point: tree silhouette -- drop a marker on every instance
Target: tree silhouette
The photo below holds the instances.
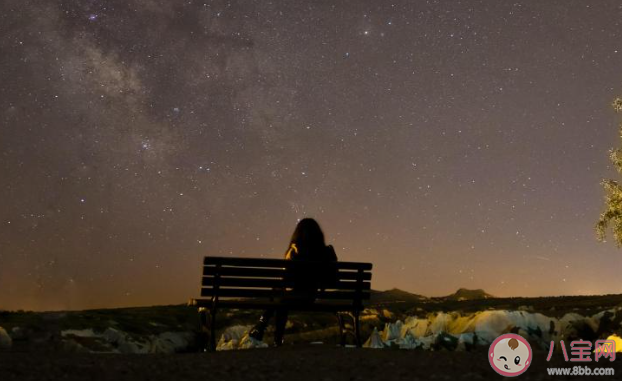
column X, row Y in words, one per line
column 612, row 216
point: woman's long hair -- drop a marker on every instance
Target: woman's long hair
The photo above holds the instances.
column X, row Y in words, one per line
column 308, row 237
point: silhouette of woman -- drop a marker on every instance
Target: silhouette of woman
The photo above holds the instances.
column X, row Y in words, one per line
column 307, row 244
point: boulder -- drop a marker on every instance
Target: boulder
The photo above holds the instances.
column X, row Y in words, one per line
column 231, row 337
column 171, row 342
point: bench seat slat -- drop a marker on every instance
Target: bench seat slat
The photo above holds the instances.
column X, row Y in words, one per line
column 245, row 272
column 276, row 263
column 277, row 283
column 258, row 293
column 324, row 306
column 274, row 273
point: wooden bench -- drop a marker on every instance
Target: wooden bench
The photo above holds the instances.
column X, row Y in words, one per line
column 254, row 283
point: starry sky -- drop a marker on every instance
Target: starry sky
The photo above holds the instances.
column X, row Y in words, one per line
column 451, row 143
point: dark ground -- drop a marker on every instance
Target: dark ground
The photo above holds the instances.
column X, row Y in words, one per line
column 291, row 363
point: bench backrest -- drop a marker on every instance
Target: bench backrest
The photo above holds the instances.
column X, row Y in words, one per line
column 225, row 277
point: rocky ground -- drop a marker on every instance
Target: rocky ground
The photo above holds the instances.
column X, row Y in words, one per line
column 301, row 362
column 437, row 337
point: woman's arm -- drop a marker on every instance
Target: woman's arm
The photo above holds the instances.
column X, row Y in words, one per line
column 292, row 252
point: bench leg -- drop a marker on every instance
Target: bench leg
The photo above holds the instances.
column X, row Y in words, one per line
column 212, row 327
column 342, row 334
column 280, row 323
column 353, row 327
column 207, row 336
column 357, row 329
column 203, row 330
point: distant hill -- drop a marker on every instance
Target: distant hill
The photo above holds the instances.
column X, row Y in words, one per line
column 466, row 294
column 394, row 295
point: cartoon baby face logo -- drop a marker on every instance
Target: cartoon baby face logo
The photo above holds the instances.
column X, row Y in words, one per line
column 510, row 355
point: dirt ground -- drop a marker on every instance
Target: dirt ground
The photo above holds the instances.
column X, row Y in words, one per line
column 294, row 363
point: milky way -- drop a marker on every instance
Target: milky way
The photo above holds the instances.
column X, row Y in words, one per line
column 451, row 143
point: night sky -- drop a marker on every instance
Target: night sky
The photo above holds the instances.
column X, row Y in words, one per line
column 451, row 143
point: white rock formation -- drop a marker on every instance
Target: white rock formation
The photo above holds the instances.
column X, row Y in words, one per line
column 408, row 341
column 236, row 337
column 5, row 340
column 461, row 332
column 392, row 332
column 78, row 333
column 374, row 341
column 116, row 341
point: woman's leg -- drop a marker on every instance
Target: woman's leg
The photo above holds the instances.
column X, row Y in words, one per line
column 259, row 328
column 281, row 321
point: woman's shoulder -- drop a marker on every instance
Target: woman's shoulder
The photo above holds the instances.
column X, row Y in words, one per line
column 330, row 253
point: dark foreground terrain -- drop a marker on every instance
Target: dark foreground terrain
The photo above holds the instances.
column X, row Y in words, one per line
column 297, row 363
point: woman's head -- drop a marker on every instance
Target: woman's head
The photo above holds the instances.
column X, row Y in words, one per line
column 308, row 235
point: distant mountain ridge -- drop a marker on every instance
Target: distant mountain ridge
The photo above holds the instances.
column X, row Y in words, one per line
column 466, row 294
column 396, row 295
